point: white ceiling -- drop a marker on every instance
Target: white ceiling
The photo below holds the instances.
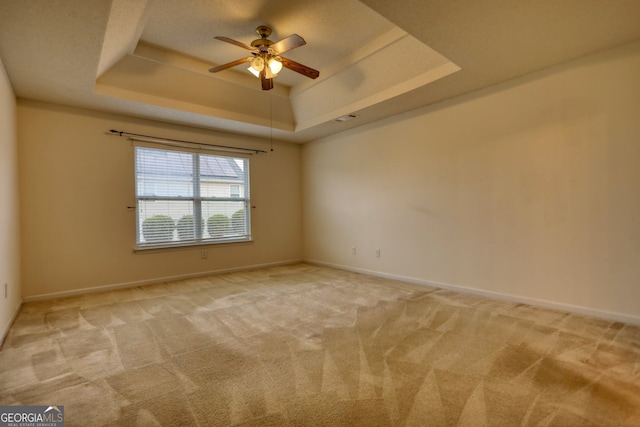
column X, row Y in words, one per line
column 149, row 58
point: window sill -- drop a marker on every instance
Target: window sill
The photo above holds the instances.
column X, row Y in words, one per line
column 187, row 246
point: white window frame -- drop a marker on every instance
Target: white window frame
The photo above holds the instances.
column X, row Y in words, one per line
column 200, row 223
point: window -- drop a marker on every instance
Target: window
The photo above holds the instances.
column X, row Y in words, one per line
column 234, row 190
column 187, row 198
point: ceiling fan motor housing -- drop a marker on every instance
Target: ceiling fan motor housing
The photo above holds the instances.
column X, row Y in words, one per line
column 262, row 43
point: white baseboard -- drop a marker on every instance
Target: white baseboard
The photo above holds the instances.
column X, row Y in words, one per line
column 602, row 314
column 618, row 317
column 13, row 318
column 116, row 286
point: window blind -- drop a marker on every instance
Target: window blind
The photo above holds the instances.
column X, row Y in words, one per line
column 187, row 198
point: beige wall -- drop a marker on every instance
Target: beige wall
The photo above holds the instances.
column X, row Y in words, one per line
column 9, row 207
column 76, row 182
column 529, row 189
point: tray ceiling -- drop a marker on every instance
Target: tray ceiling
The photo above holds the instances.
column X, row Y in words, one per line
column 149, row 58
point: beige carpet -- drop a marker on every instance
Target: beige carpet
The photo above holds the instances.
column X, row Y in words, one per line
column 308, row 345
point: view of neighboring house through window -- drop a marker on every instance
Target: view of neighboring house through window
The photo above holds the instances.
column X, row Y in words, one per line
column 187, row 198
column 234, row 190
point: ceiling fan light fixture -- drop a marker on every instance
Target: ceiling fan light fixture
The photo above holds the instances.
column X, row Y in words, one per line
column 275, row 66
column 257, row 63
column 268, row 74
column 254, row 72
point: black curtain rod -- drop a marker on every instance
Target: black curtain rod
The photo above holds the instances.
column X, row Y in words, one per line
column 222, row 147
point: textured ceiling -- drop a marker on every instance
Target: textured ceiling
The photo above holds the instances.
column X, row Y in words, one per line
column 149, row 58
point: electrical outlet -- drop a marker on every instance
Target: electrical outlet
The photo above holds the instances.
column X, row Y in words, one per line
column 203, row 254
column 353, row 250
column 377, row 253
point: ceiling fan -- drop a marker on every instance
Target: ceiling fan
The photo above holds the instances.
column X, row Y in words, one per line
column 265, row 58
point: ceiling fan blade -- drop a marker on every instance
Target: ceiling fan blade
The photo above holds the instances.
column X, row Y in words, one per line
column 288, row 43
column 236, row 42
column 229, row 65
column 299, row 68
column 267, row 84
